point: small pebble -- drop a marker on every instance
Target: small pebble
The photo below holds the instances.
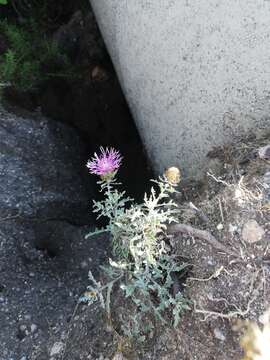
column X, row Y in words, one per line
column 264, row 152
column 22, row 332
column 84, row 264
column 118, row 356
column 220, row 227
column 219, row 334
column 252, row 232
column 33, row 328
column 232, row 228
column 57, row 348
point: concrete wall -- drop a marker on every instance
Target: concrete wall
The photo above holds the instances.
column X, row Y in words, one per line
column 195, row 72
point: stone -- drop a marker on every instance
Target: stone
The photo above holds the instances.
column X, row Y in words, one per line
column 80, row 35
column 56, row 348
column 252, row 232
column 43, row 180
column 22, row 332
column 118, row 356
column 84, row 265
column 220, row 227
column 233, row 228
column 33, row 328
column 264, row 152
column 219, row 334
column 99, row 74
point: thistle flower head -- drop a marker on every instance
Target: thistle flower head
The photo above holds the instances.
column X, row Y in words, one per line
column 105, row 164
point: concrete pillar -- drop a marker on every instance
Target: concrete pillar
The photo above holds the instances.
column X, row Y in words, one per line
column 195, row 72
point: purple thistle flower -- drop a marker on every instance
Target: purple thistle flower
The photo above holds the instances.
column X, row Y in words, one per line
column 106, row 163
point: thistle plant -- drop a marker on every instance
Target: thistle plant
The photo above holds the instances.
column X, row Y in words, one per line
column 114, row 204
column 143, row 267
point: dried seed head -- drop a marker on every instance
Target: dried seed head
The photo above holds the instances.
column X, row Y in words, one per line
column 173, row 175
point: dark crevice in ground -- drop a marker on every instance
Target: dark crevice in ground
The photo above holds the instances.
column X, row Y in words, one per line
column 92, row 101
column 44, row 256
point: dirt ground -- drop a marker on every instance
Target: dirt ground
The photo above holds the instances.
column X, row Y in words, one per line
column 39, row 292
column 229, row 278
column 228, row 281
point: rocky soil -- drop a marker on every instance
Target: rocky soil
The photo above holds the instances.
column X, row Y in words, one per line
column 46, row 192
column 45, row 197
column 45, row 258
column 229, row 278
column 45, row 213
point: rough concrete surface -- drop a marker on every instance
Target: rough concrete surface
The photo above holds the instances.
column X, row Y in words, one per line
column 195, row 73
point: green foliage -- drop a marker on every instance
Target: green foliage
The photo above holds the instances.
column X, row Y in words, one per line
column 10, row 60
column 30, row 58
column 3, row 2
column 135, row 231
column 144, row 225
column 113, row 207
column 149, row 289
column 49, row 14
column 144, row 270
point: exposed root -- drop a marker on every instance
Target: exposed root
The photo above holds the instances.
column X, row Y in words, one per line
column 230, row 315
column 10, row 217
column 213, row 276
column 200, row 234
column 218, row 180
column 237, row 312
